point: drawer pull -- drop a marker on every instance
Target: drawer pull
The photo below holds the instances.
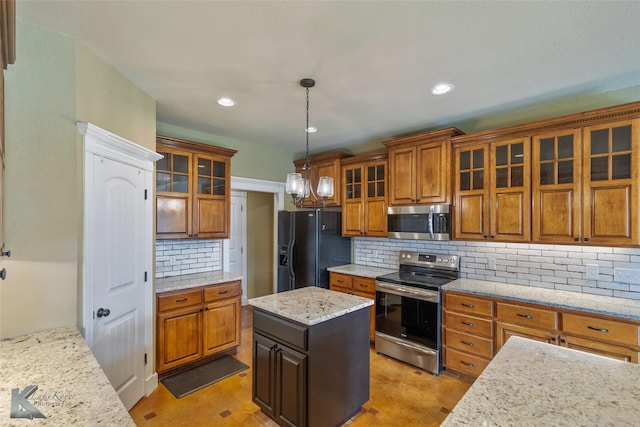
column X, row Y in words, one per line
column 363, row 285
column 340, row 281
column 466, row 323
column 597, row 329
column 466, row 305
column 223, row 292
column 182, row 300
column 471, row 365
column 470, row 344
column 526, row 316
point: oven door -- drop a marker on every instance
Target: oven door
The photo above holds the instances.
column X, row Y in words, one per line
column 408, row 313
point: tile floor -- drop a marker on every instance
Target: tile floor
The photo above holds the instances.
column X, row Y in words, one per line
column 401, row 395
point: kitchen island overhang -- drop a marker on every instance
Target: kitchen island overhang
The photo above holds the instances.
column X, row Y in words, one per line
column 311, row 356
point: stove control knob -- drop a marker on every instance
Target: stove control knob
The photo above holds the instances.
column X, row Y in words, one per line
column 408, row 256
column 445, row 260
column 438, row 259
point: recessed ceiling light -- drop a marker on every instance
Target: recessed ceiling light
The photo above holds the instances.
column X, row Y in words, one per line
column 442, row 88
column 311, row 129
column 226, row 102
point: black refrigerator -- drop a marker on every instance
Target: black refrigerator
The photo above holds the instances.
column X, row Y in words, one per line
column 308, row 242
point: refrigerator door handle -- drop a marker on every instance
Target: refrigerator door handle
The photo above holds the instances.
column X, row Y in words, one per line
column 292, row 245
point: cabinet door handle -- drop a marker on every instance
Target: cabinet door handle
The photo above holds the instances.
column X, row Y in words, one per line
column 467, row 363
column 466, row 305
column 466, row 323
column 470, row 344
column 181, row 300
column 597, row 329
column 586, row 239
column 526, row 316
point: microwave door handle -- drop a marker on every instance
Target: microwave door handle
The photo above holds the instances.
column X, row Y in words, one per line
column 431, row 222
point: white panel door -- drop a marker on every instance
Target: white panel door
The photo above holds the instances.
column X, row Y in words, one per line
column 118, row 238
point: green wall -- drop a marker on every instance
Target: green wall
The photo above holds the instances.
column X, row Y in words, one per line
column 54, row 83
column 253, row 160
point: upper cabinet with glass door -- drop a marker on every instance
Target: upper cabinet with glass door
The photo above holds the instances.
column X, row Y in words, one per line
column 192, row 190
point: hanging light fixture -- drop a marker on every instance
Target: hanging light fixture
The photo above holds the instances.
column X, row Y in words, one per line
column 299, row 184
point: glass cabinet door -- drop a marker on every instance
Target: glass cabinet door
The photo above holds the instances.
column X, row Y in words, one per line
column 172, row 172
column 610, row 176
column 556, row 187
column 471, row 192
column 211, row 177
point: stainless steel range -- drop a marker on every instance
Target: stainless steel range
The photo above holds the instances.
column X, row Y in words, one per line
column 408, row 311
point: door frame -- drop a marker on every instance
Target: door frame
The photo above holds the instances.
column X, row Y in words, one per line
column 261, row 186
column 99, row 142
column 225, row 246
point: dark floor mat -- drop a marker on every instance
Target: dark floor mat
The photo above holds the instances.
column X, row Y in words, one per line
column 199, row 377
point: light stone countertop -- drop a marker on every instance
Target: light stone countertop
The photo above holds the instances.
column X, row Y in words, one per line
column 529, row 383
column 361, row 270
column 598, row 304
column 310, row 305
column 186, row 281
column 72, row 389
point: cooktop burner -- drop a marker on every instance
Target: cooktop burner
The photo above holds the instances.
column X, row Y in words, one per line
column 423, row 270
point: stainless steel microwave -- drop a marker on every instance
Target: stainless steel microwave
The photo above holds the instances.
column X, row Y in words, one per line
column 422, row 222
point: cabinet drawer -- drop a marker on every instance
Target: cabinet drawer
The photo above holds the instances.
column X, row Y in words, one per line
column 600, row 329
column 463, row 362
column 482, row 347
column 363, row 284
column 222, row 291
column 282, row 330
column 470, row 305
column 342, row 281
column 527, row 316
column 470, row 325
column 177, row 299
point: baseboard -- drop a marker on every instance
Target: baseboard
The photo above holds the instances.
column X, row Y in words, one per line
column 150, row 384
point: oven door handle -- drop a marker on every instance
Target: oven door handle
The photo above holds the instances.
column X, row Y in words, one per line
column 404, row 291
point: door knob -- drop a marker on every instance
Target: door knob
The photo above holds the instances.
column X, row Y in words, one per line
column 103, row 312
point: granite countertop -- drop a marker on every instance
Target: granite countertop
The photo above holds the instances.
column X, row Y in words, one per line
column 71, row 389
column 310, row 305
column 598, row 304
column 361, row 270
column 531, row 383
column 175, row 283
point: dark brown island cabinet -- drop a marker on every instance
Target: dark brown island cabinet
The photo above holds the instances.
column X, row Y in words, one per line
column 311, row 375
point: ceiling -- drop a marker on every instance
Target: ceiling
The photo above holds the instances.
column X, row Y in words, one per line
column 374, row 62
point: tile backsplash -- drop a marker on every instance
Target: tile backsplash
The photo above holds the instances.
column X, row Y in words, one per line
column 548, row 266
column 175, row 257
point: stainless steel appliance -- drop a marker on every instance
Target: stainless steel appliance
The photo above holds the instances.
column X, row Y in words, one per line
column 308, row 242
column 408, row 309
column 422, row 222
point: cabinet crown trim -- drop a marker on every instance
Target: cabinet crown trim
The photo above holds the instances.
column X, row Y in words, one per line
column 194, row 146
column 419, row 138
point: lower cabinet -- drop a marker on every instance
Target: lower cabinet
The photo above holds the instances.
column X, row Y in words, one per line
column 195, row 323
column 476, row 327
column 316, row 375
column 360, row 286
column 281, row 381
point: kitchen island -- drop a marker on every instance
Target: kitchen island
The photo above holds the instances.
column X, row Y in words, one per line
column 54, row 378
column 310, row 356
column 530, row 383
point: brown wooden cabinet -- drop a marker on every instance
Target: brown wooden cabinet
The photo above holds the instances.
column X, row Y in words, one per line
column 525, row 321
column 195, row 323
column 356, row 285
column 364, row 193
column 323, row 165
column 193, row 189
column 492, row 191
column 585, row 185
column 468, row 333
column 601, row 335
column 476, row 327
column 419, row 168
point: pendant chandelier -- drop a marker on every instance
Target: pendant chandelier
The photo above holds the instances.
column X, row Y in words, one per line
column 299, row 184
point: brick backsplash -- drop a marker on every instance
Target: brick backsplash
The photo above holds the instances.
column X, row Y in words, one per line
column 548, row 266
column 175, row 257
